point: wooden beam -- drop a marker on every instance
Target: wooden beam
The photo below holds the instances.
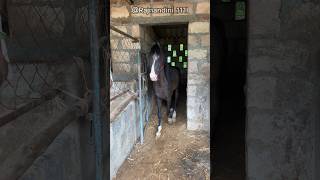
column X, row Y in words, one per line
column 134, row 40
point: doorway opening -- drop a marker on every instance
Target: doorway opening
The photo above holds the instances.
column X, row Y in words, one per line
column 177, row 152
column 174, row 41
column 230, row 56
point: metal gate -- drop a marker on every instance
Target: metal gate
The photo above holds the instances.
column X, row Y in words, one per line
column 144, row 100
column 129, row 65
column 47, row 49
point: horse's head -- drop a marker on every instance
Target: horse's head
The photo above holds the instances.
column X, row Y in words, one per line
column 157, row 62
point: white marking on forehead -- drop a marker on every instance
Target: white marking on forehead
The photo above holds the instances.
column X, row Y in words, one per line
column 153, row 75
column 152, row 67
column 155, row 57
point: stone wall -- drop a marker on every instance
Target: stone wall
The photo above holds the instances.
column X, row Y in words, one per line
column 124, row 52
column 147, row 38
column 283, row 90
column 198, row 17
column 198, row 90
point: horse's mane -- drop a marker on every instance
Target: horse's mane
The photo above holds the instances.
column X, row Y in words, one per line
column 155, row 49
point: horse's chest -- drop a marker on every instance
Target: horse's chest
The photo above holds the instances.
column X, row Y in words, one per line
column 161, row 91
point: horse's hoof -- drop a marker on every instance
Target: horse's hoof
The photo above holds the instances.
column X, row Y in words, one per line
column 158, row 134
column 174, row 115
column 174, row 120
column 170, row 120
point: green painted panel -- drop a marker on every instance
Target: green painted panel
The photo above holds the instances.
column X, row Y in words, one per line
column 240, row 11
column 185, row 65
column 174, row 53
column 168, row 59
column 181, row 47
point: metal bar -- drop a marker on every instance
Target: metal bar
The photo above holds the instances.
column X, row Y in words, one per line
column 130, row 2
column 95, row 66
column 140, row 99
column 135, row 40
column 105, row 22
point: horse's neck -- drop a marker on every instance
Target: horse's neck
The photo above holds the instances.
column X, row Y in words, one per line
column 163, row 77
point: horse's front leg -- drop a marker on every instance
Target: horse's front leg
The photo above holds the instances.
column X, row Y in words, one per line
column 159, row 117
column 174, row 114
column 169, row 110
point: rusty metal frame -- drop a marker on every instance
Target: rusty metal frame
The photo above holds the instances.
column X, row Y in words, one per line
column 134, row 40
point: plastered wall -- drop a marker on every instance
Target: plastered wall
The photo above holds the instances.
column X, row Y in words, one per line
column 282, row 137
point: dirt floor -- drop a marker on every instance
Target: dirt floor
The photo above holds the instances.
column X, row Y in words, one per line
column 177, row 154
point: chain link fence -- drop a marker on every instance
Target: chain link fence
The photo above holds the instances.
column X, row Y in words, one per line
column 129, row 72
column 124, row 62
column 46, row 45
column 46, row 55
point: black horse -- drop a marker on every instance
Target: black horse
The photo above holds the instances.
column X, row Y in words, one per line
column 165, row 82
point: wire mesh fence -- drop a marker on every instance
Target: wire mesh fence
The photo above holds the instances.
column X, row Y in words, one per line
column 124, row 62
column 129, row 71
column 45, row 55
column 43, row 45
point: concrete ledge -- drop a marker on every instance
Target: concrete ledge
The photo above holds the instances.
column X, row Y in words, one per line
column 124, row 132
column 119, row 103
